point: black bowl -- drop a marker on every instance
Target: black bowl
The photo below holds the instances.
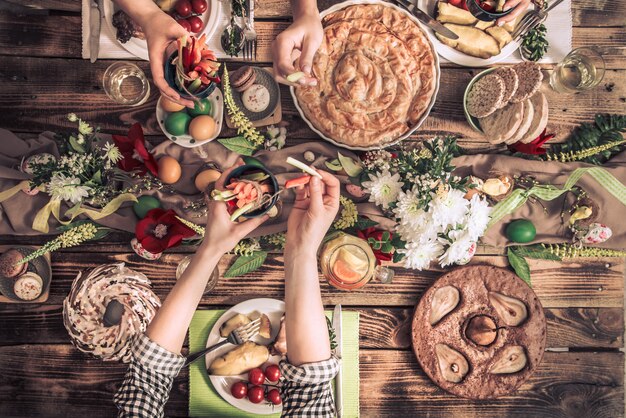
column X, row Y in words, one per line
column 170, row 77
column 241, row 170
column 482, row 14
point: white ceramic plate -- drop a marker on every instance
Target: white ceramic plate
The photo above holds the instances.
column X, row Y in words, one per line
column 217, row 113
column 458, row 57
column 139, row 47
column 274, row 309
column 432, row 100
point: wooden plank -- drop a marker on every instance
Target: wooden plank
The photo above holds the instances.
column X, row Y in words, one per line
column 57, row 380
column 380, row 328
column 32, row 101
column 587, row 283
column 57, row 5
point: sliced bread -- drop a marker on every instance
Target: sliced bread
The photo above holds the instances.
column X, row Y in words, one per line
column 485, row 96
column 511, row 82
column 530, row 77
column 523, row 127
column 502, row 125
column 540, row 117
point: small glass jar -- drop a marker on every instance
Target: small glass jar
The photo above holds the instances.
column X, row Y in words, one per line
column 347, row 262
column 211, row 283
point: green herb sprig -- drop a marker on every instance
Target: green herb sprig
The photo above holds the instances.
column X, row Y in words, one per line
column 535, row 44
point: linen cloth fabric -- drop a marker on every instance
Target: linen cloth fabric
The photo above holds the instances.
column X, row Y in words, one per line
column 18, row 212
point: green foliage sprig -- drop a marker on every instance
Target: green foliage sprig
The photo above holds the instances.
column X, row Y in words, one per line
column 535, row 44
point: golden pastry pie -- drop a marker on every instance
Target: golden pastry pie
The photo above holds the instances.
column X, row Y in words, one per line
column 376, row 74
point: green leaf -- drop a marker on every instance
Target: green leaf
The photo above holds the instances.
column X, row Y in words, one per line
column 387, row 248
column 364, row 223
column 76, row 146
column 239, row 144
column 386, row 236
column 97, row 177
column 520, row 266
column 397, row 257
column 535, row 251
column 246, row 264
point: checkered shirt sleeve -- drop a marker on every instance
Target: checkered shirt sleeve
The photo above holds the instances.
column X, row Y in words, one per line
column 148, row 381
column 306, row 389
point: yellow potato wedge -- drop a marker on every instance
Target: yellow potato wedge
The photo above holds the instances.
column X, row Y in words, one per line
column 500, row 35
column 448, row 13
column 510, row 26
column 233, row 323
column 482, row 25
column 242, row 359
column 471, row 41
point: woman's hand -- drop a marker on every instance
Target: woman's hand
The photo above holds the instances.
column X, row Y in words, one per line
column 300, row 42
column 313, row 212
column 519, row 6
column 221, row 234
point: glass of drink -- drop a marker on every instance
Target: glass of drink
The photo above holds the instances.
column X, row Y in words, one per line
column 215, row 275
column 347, row 262
column 582, row 69
column 126, row 84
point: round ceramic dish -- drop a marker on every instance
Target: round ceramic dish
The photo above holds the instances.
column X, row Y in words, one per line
column 39, row 266
column 482, row 14
column 432, row 100
column 266, row 79
column 217, row 113
column 474, row 122
column 242, row 170
column 170, row 74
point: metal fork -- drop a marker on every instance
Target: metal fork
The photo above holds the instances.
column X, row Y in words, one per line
column 236, row 337
column 250, row 46
column 531, row 20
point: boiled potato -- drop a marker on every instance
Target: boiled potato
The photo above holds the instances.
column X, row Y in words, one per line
column 242, row 359
column 448, row 13
column 482, row 25
column 510, row 26
column 500, row 35
column 233, row 323
column 471, row 41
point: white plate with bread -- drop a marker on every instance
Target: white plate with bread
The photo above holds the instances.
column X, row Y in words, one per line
column 506, row 104
column 274, row 309
column 480, row 43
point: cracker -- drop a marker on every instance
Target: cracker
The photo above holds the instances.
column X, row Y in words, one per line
column 511, row 81
column 530, row 77
column 485, row 96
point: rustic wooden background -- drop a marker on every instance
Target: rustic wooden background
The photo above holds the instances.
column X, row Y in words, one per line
column 42, row 78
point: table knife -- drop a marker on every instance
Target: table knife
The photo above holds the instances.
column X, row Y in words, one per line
column 338, row 378
column 94, row 30
column 427, row 20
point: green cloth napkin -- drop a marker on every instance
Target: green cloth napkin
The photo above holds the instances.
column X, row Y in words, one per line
column 205, row 401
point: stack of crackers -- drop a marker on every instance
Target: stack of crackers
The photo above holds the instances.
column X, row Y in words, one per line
column 508, row 104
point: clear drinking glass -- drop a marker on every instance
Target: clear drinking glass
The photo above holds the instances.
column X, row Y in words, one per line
column 215, row 275
column 582, row 69
column 126, row 84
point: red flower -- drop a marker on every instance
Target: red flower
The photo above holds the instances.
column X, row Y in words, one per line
column 133, row 149
column 533, row 147
column 160, row 230
column 377, row 235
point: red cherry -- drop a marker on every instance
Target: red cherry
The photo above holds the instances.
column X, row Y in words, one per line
column 255, row 394
column 183, row 8
column 274, row 397
column 196, row 24
column 199, row 6
column 184, row 24
column 239, row 390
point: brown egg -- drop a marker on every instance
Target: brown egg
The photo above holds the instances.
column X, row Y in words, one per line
column 206, row 177
column 202, row 127
column 170, row 106
column 169, row 170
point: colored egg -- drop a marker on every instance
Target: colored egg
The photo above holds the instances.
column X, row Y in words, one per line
column 201, row 107
column 205, row 178
column 521, row 231
column 169, row 170
column 170, row 106
column 177, row 123
column 144, row 204
column 252, row 161
column 202, row 127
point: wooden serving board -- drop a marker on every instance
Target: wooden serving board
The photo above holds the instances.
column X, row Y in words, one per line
column 45, row 291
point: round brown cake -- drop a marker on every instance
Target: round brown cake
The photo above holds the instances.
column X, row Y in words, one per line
column 479, row 332
column 377, row 75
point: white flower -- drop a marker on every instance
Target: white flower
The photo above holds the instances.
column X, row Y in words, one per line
column 62, row 187
column 414, row 224
column 449, row 208
column 478, row 217
column 419, row 255
column 81, row 139
column 112, row 153
column 72, row 117
column 383, row 188
column 460, row 246
column 84, row 128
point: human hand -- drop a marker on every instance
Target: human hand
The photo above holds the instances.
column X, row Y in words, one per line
column 313, row 212
column 518, row 7
column 221, row 234
column 299, row 42
column 160, row 30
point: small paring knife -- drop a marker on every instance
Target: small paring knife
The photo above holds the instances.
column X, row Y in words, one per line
column 427, row 20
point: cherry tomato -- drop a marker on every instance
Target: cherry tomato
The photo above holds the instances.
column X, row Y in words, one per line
column 199, row 6
column 239, row 390
column 184, row 24
column 183, row 8
column 274, row 397
column 195, row 23
column 255, row 394
column 464, row 5
column 256, row 376
column 487, row 6
column 272, row 372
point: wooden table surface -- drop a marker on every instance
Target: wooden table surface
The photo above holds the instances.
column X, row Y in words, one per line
column 42, row 78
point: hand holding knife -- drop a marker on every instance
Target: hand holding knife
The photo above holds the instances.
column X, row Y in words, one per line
column 426, row 19
column 338, row 349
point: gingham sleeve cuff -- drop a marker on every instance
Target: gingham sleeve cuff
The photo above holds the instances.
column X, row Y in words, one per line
column 310, row 373
column 156, row 358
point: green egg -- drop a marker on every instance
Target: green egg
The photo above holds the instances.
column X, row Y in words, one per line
column 521, row 231
column 252, row 161
column 202, row 107
column 144, row 204
column 177, row 123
